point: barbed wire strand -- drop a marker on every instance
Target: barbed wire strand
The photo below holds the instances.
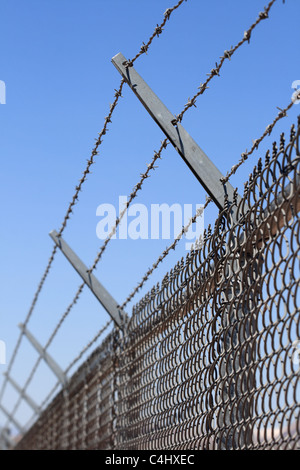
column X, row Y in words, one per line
column 227, row 55
column 90, row 162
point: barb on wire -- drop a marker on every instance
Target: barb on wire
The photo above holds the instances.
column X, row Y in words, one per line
column 244, row 156
column 166, row 252
column 227, row 55
column 157, row 31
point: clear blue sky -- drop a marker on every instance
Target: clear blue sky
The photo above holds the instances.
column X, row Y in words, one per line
column 56, row 63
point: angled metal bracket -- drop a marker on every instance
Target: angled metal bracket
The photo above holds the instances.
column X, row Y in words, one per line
column 12, row 419
column 47, row 358
column 24, row 395
column 104, row 297
column 203, row 168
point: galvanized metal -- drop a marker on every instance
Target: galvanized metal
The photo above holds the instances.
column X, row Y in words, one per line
column 203, row 168
column 45, row 356
column 104, row 297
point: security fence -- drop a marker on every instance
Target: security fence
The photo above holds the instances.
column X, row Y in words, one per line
column 210, row 358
